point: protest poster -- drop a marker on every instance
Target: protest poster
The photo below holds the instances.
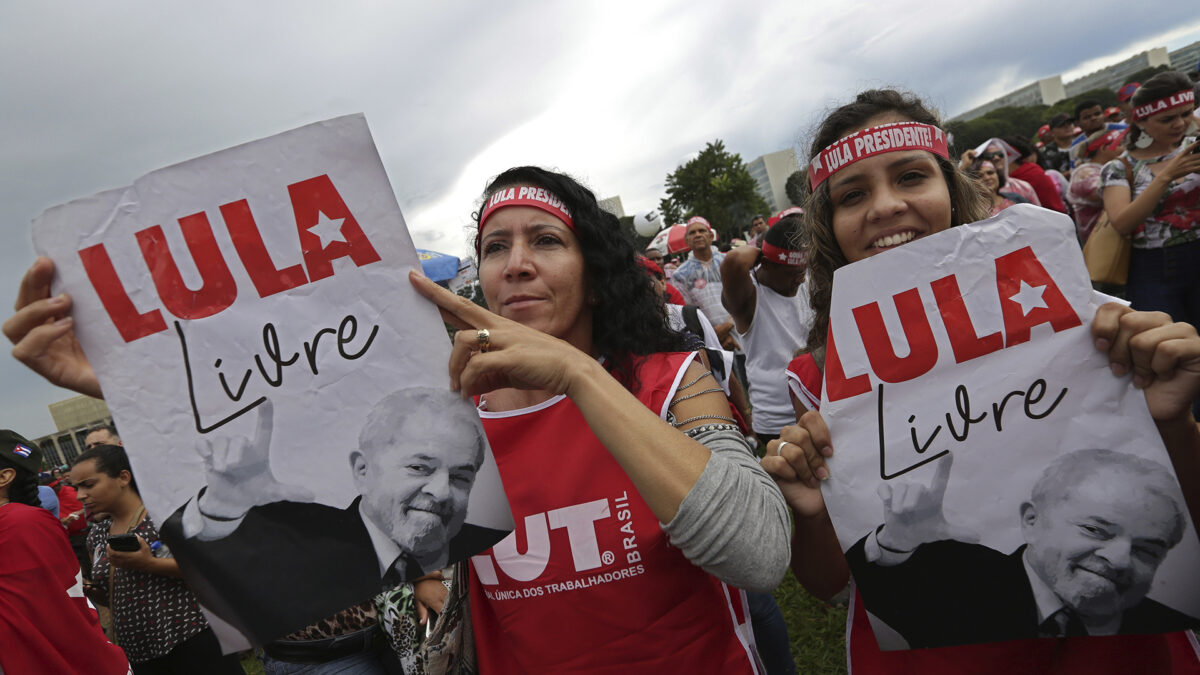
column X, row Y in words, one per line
column 282, row 390
column 992, row 479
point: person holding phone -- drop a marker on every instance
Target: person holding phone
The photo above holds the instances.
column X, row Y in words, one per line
column 1161, row 212
column 155, row 616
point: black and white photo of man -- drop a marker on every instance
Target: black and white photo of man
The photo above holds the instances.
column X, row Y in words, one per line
column 1097, row 526
column 269, row 560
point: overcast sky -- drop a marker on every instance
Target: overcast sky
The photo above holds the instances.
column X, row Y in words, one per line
column 617, row 94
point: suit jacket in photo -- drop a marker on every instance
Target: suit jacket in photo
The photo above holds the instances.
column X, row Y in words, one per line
column 290, row 564
column 953, row 593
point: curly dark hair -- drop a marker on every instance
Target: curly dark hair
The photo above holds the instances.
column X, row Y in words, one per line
column 1086, row 104
column 24, row 487
column 969, row 200
column 1161, row 85
column 629, row 320
column 110, row 460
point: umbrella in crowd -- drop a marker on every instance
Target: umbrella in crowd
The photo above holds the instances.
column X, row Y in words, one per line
column 674, row 238
column 438, row 266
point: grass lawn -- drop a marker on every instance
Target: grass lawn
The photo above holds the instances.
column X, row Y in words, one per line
column 250, row 664
column 816, row 630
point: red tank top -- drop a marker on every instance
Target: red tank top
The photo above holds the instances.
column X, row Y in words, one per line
column 1170, row 654
column 588, row 582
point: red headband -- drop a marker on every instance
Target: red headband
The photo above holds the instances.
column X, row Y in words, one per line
column 784, row 213
column 649, row 265
column 523, row 195
column 782, row 256
column 1185, row 97
column 1111, row 139
column 874, row 141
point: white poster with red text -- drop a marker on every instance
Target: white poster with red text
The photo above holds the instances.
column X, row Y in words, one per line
column 991, row 478
column 257, row 300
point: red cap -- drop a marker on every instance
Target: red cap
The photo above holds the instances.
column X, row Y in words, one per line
column 649, row 265
column 1126, row 92
column 1110, row 140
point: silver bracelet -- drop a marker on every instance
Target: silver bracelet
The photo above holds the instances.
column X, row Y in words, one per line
column 704, row 417
column 702, row 375
column 705, row 428
column 699, row 393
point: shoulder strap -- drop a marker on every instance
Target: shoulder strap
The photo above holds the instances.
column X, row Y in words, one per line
column 1128, row 173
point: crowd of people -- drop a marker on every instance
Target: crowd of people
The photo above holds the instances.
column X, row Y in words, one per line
column 690, row 387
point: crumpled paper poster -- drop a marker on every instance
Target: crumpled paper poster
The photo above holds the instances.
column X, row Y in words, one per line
column 992, row 479
column 280, row 387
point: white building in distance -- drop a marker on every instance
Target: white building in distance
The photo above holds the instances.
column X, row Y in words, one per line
column 1051, row 90
column 73, row 417
column 771, row 172
column 613, row 206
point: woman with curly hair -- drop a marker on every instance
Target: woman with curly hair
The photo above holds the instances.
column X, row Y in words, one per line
column 865, row 208
column 640, row 507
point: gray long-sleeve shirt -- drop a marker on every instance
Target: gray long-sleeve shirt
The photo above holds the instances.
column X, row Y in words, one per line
column 734, row 522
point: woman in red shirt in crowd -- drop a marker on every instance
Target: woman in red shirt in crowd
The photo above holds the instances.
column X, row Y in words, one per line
column 1027, row 169
column 46, row 624
column 640, row 508
column 924, row 193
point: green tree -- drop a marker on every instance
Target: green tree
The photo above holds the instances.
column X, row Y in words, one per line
column 1018, row 120
column 1146, row 73
column 717, row 186
column 639, row 242
column 797, row 187
column 671, row 214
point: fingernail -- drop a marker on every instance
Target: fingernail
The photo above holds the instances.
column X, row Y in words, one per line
column 1140, row 381
column 1103, row 344
column 1118, row 369
column 827, row 451
column 822, row 474
column 60, row 299
column 65, row 321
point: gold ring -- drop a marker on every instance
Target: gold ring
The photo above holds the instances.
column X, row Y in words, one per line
column 484, row 338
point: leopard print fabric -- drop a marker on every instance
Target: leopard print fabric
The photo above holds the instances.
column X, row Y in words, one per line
column 398, row 616
column 346, row 621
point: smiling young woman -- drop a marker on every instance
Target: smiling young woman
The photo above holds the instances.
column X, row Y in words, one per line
column 987, row 174
column 918, row 205
column 865, row 206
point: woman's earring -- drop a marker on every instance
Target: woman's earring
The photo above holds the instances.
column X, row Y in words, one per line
column 1144, row 141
